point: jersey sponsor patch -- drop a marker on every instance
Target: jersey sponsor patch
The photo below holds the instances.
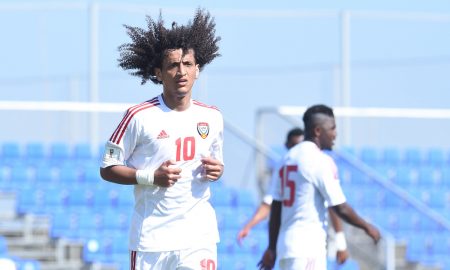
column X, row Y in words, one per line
column 203, row 129
column 111, row 153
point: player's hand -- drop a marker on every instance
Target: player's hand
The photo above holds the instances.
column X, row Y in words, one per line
column 212, row 168
column 167, row 175
column 242, row 234
column 268, row 260
column 341, row 256
column 374, row 233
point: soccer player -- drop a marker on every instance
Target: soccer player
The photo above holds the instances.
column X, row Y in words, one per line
column 308, row 180
column 293, row 137
column 170, row 148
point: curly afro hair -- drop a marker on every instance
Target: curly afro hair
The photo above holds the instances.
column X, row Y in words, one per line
column 147, row 49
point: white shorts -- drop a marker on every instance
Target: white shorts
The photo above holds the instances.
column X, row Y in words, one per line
column 198, row 258
column 303, row 263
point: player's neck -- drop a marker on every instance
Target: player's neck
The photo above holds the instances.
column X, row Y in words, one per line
column 177, row 103
column 315, row 141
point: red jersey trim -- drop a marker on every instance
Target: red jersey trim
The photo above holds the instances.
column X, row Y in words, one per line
column 195, row 102
column 120, row 130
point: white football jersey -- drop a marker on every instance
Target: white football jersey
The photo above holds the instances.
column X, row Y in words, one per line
column 307, row 182
column 149, row 134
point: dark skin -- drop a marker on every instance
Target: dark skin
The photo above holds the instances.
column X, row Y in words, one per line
column 323, row 134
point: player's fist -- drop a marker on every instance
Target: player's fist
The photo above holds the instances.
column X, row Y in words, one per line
column 167, row 175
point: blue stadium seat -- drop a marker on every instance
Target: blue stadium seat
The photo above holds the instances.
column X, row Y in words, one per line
column 391, row 156
column 10, row 151
column 98, row 249
column 114, row 220
column 222, row 195
column 3, row 246
column 430, row 176
column 34, row 152
column 65, row 225
column 59, row 152
column 244, row 198
column 28, row 264
column 119, row 246
column 238, row 262
column 91, row 174
column 68, row 172
column 45, row 173
column 82, row 152
column 31, row 200
column 80, row 196
column 406, row 175
column 369, row 155
column 413, row 157
column 435, row 157
column 350, row 264
column 21, row 173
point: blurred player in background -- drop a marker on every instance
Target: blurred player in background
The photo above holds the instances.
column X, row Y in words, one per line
column 309, row 179
column 169, row 147
column 293, row 137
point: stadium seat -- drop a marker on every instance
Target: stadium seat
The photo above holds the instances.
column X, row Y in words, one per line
column 115, row 220
column 244, row 197
column 82, row 152
column 98, row 249
column 34, row 153
column 238, row 262
column 59, row 152
column 28, row 264
column 80, row 196
column 430, row 176
column 369, row 155
column 222, row 195
column 391, row 156
column 10, row 150
column 45, row 173
column 68, row 174
column 3, row 246
column 350, row 264
column 412, row 157
column 435, row 157
column 406, row 175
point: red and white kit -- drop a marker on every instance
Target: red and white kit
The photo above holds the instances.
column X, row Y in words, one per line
column 308, row 181
column 177, row 217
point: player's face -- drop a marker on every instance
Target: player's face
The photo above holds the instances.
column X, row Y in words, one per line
column 327, row 133
column 178, row 73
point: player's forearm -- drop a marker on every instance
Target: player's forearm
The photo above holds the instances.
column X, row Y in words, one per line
column 347, row 213
column 274, row 224
column 119, row 174
column 335, row 221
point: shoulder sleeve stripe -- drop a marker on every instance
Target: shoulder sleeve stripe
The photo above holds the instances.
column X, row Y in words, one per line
column 120, row 130
column 204, row 105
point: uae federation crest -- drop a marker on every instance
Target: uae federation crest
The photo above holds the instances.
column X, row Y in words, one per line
column 203, row 129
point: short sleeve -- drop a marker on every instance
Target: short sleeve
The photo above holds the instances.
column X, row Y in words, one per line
column 121, row 143
column 328, row 182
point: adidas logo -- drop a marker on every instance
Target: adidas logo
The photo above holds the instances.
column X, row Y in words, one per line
column 162, row 135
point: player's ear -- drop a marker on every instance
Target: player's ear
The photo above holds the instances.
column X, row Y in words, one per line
column 158, row 74
column 197, row 71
